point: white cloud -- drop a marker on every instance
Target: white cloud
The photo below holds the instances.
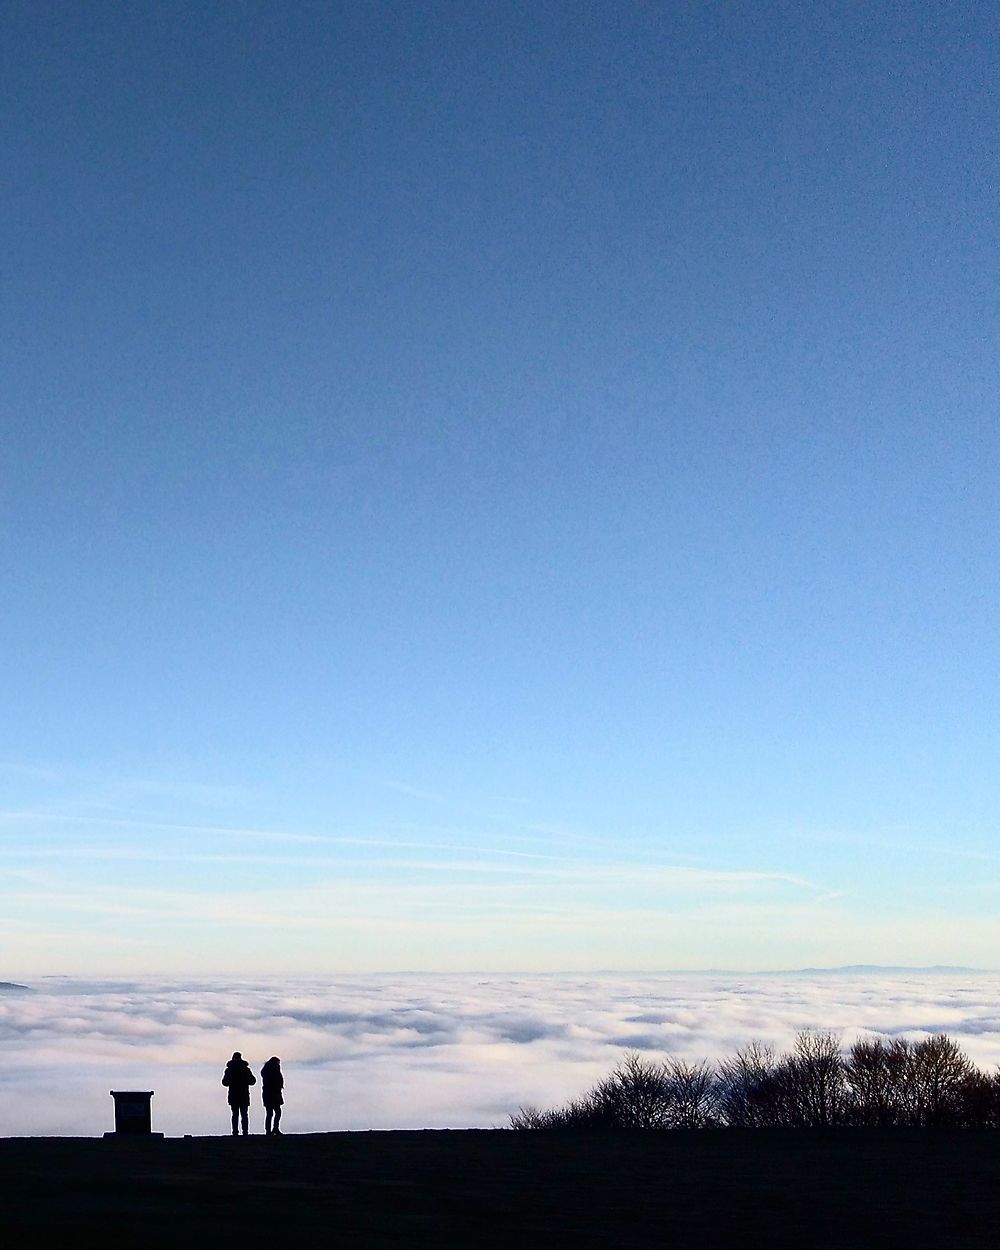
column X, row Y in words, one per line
column 421, row 1050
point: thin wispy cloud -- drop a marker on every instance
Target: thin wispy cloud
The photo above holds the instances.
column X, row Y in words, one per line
column 31, row 772
column 274, row 835
column 418, row 792
column 56, row 818
column 897, row 842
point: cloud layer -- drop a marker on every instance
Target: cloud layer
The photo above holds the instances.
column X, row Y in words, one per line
column 415, row 1051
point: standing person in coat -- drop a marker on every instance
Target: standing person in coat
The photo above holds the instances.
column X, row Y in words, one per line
column 271, row 1085
column 238, row 1078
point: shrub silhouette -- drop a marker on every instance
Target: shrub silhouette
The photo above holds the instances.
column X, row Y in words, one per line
column 637, row 1094
column 878, row 1082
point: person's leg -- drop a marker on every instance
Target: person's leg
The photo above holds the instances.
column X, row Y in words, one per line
column 244, row 1113
column 236, row 1130
column 267, row 1121
column 277, row 1120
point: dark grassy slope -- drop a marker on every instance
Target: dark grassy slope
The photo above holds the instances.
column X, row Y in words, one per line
column 851, row 1188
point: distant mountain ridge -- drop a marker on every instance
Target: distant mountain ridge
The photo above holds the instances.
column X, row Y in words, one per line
column 11, row 987
column 894, row 968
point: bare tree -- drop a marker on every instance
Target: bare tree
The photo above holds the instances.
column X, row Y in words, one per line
column 748, row 1095
column 637, row 1094
column 880, row 1082
column 814, row 1079
column 873, row 1093
column 694, row 1094
column 940, row 1072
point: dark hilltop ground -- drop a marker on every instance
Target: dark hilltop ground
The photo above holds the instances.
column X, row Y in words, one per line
column 844, row 1188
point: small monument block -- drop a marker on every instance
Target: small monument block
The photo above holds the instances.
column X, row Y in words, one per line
column 133, row 1117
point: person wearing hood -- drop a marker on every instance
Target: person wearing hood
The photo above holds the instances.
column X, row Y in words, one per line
column 238, row 1078
column 271, row 1084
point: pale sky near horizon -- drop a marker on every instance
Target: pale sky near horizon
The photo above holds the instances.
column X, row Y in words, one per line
column 498, row 486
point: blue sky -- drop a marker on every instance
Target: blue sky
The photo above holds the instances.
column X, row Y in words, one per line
column 506, row 486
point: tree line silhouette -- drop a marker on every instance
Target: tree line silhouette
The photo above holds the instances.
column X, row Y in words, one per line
column 878, row 1082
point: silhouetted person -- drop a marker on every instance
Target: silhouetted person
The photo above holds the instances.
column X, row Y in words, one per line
column 239, row 1078
column 271, row 1085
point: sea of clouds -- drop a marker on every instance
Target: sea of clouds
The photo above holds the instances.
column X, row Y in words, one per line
column 426, row 1051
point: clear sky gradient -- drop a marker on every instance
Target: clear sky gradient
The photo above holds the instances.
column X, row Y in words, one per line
column 498, row 485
